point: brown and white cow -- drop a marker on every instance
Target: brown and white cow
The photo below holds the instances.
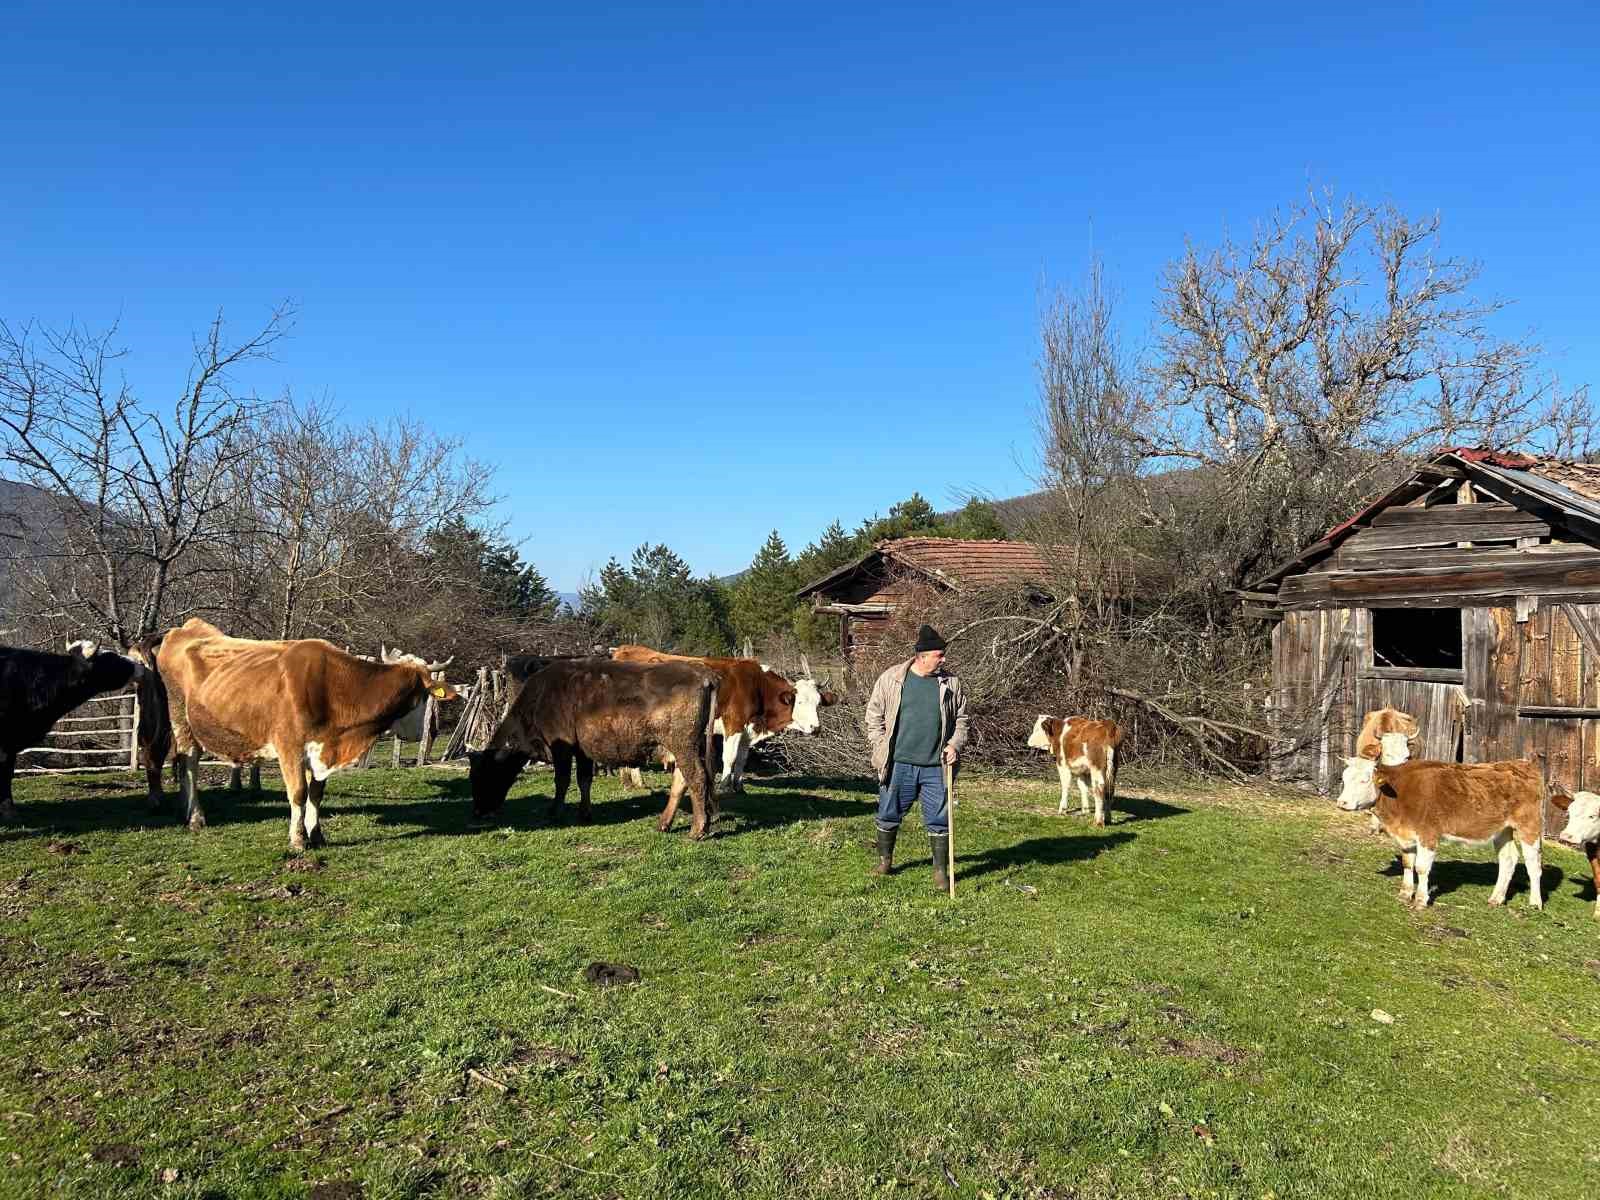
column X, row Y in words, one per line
column 597, row 710
column 753, row 704
column 1583, row 829
column 310, row 705
column 1421, row 803
column 1085, row 753
column 1387, row 734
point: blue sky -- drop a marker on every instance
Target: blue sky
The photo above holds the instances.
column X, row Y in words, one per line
column 691, row 272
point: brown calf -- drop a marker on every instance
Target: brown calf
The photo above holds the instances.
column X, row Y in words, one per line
column 310, row 705
column 1369, row 742
column 1085, row 753
column 1422, row 803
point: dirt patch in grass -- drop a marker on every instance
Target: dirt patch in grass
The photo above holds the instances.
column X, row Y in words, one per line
column 63, row 848
column 1203, row 1049
column 299, row 866
column 343, row 1190
column 115, row 1154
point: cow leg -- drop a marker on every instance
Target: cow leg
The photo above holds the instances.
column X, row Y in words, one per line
column 1592, row 849
column 1534, row 861
column 700, row 798
column 189, row 788
column 561, row 756
column 1506, row 848
column 8, row 809
column 294, row 782
column 734, row 748
column 1065, row 773
column 1408, row 883
column 1425, row 857
column 1083, row 792
column 674, row 795
column 152, row 778
column 314, row 789
column 585, row 782
column 1097, row 788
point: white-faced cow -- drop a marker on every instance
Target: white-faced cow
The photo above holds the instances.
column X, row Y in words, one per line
column 617, row 713
column 38, row 688
column 1377, row 726
column 1421, row 803
column 308, row 704
column 754, row 703
column 1085, row 753
column 1583, row 829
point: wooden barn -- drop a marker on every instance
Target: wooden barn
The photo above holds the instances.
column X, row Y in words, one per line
column 1469, row 597
column 865, row 593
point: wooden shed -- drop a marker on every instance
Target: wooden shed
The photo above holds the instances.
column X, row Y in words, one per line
column 1469, row 597
column 865, row 593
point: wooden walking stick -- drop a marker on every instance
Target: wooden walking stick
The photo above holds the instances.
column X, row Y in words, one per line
column 950, row 820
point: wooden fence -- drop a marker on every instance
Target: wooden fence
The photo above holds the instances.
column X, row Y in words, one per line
column 109, row 725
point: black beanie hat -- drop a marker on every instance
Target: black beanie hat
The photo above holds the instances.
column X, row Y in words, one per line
column 927, row 639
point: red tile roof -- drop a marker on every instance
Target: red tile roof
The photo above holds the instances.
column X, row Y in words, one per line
column 968, row 562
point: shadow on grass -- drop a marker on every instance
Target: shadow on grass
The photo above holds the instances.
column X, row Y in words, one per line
column 1045, row 852
column 1452, row 875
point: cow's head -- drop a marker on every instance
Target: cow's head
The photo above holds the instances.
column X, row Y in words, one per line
column 1362, row 781
column 107, row 670
column 492, row 772
column 1045, row 731
column 1583, row 817
column 1394, row 748
column 431, row 675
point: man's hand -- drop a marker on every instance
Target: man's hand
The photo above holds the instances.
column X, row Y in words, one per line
column 949, row 756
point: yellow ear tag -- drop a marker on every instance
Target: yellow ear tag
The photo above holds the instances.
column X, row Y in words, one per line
column 439, row 692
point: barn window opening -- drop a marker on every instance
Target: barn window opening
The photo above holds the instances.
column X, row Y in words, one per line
column 1417, row 637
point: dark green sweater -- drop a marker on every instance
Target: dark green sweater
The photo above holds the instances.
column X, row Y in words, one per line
column 916, row 739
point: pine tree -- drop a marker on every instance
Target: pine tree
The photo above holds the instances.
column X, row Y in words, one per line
column 763, row 599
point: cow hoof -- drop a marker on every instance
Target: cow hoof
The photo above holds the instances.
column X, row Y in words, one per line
column 585, row 816
column 662, row 827
column 697, row 835
column 1408, row 897
column 1597, row 910
column 1538, row 904
column 1496, row 901
column 315, row 840
column 1421, row 903
column 197, row 823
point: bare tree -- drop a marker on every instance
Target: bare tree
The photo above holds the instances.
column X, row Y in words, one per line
column 139, row 492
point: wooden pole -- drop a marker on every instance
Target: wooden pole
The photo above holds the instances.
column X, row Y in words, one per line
column 950, row 819
column 133, row 736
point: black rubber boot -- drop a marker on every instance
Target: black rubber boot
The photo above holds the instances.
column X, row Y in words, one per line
column 939, row 843
column 885, row 851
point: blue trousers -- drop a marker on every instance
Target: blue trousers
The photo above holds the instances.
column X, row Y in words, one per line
column 908, row 784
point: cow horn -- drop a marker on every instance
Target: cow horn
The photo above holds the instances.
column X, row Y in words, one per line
column 805, row 666
column 439, row 666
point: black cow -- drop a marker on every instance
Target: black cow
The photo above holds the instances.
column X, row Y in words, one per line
column 155, row 721
column 593, row 709
column 37, row 689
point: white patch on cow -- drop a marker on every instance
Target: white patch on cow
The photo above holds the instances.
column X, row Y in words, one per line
column 1394, row 749
column 1583, row 820
column 807, row 707
column 266, row 752
column 1039, row 739
column 718, row 728
column 1360, row 791
column 319, row 769
column 1533, row 860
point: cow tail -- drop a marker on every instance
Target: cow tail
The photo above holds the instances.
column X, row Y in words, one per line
column 708, row 724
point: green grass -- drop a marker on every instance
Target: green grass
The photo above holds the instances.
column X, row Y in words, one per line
column 1179, row 1005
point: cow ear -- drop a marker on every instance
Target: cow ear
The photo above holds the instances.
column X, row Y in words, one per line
column 1381, row 782
column 1561, row 800
column 787, row 699
column 1054, row 725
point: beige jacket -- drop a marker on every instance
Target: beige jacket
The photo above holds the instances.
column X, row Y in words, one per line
column 883, row 708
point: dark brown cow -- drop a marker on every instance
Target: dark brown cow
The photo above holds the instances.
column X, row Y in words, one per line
column 597, row 710
column 155, row 718
column 1420, row 803
column 310, row 705
column 753, row 703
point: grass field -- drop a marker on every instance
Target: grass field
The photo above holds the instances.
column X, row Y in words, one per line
column 1179, row 1005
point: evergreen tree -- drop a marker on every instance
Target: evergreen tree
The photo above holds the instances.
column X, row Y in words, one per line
column 656, row 601
column 977, row 519
column 763, row 599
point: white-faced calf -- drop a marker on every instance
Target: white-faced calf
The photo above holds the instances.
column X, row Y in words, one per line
column 1420, row 804
column 1085, row 754
column 1583, row 829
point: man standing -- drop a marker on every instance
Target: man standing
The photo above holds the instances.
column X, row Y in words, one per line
column 916, row 722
